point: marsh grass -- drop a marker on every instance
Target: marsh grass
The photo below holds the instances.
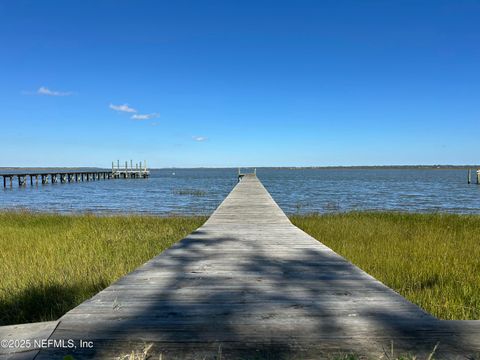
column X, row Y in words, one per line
column 191, row 192
column 51, row 263
column 389, row 354
column 431, row 259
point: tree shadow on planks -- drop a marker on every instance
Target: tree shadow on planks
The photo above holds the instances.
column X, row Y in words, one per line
column 44, row 302
column 231, row 296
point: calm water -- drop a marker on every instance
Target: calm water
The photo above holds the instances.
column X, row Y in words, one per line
column 194, row 191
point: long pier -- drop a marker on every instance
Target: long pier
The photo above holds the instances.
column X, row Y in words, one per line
column 248, row 284
column 56, row 176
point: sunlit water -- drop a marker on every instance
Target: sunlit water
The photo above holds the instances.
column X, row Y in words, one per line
column 200, row 191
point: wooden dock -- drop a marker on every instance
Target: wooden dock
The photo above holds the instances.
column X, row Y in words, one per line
column 56, row 176
column 250, row 285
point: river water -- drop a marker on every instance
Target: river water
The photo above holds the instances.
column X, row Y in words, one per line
column 200, row 191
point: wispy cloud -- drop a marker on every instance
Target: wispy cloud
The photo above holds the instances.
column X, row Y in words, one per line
column 123, row 108
column 154, row 123
column 145, row 116
column 43, row 90
column 199, row 138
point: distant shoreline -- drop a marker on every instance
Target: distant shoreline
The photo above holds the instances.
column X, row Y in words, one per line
column 381, row 167
column 353, row 167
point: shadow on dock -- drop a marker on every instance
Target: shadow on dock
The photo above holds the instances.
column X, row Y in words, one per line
column 289, row 318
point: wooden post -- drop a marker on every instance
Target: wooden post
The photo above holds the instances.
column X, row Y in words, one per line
column 31, row 180
column 478, row 177
column 4, row 181
column 36, row 179
column 469, row 177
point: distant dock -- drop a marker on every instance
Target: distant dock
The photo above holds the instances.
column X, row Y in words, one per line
column 57, row 176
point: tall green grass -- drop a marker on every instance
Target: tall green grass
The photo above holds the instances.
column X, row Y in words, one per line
column 431, row 259
column 51, row 263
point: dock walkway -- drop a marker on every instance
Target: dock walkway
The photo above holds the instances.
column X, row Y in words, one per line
column 248, row 284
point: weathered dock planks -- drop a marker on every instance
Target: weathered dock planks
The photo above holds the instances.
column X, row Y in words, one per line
column 21, row 342
column 249, row 284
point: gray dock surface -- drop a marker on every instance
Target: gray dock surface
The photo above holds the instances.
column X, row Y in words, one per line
column 250, row 285
column 21, row 342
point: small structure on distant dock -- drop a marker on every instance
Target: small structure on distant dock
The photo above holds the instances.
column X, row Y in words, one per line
column 136, row 172
column 242, row 174
column 139, row 172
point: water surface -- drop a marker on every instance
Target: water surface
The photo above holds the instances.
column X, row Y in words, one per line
column 200, row 191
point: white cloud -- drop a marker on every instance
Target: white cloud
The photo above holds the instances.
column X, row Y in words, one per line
column 42, row 90
column 199, row 138
column 123, row 108
column 145, row 116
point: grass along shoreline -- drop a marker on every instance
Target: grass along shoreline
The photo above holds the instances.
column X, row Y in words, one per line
column 50, row 263
column 430, row 259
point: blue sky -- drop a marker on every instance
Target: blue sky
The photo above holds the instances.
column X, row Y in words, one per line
column 239, row 83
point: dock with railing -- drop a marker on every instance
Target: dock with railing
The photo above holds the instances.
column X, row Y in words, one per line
column 133, row 172
column 54, row 176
